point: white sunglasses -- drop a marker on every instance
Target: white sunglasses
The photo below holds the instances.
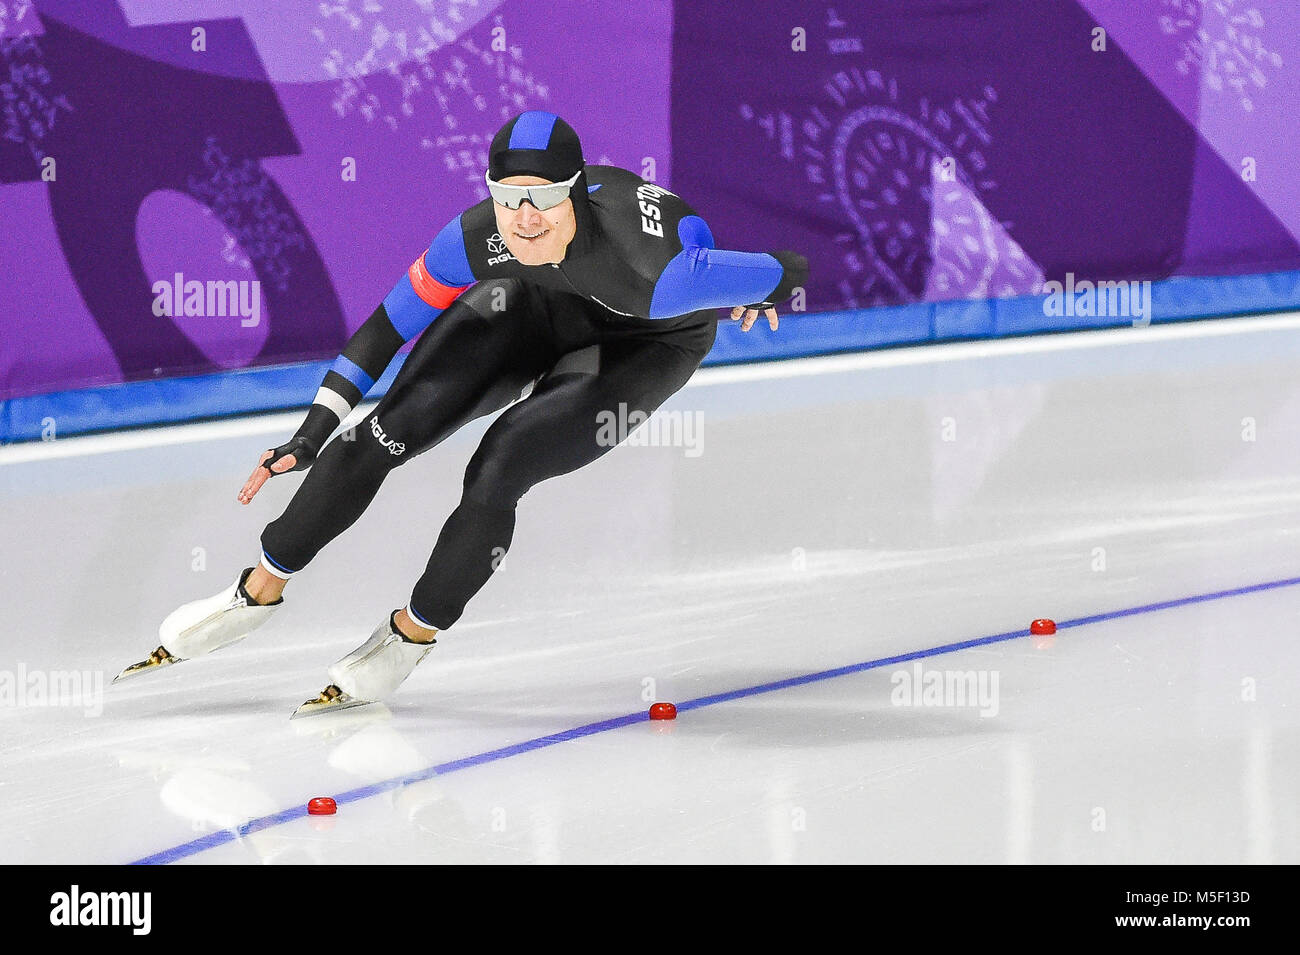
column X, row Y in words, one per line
column 542, row 197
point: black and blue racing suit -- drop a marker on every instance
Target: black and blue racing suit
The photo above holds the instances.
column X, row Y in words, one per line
column 621, row 323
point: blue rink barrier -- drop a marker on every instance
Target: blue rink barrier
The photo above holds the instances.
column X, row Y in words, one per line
column 280, row 387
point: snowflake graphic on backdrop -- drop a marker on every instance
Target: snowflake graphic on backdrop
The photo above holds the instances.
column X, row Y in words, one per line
column 16, row 18
column 243, row 197
column 1223, row 42
column 385, row 74
column 29, row 103
column 906, row 174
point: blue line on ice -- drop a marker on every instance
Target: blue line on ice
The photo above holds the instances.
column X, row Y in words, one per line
column 212, row 840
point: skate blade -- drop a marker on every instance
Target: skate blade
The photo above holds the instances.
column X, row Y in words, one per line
column 155, row 661
column 341, row 726
column 328, row 704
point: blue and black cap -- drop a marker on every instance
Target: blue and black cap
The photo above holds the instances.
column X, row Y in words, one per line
column 535, row 143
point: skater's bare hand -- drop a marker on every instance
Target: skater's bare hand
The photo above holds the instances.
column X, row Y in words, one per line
column 297, row 454
column 751, row 316
column 261, row 475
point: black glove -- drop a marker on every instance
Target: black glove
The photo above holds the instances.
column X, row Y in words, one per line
column 303, row 451
column 306, row 443
column 795, row 276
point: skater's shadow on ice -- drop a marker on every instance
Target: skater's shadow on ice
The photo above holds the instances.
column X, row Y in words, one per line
column 259, row 707
column 759, row 723
column 775, row 725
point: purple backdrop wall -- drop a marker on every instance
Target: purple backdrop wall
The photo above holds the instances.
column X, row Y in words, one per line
column 916, row 150
column 1117, row 163
column 227, row 163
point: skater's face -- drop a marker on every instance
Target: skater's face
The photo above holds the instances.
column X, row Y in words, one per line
column 536, row 238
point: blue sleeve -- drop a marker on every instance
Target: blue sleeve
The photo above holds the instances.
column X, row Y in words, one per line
column 701, row 276
column 447, row 259
column 431, row 283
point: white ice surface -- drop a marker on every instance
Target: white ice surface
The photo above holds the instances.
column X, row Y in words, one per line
column 826, row 522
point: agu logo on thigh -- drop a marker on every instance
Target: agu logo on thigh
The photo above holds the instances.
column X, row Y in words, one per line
column 394, row 447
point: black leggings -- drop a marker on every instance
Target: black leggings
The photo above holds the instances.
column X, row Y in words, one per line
column 477, row 357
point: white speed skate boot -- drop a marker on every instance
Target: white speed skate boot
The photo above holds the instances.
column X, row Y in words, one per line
column 369, row 673
column 202, row 626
